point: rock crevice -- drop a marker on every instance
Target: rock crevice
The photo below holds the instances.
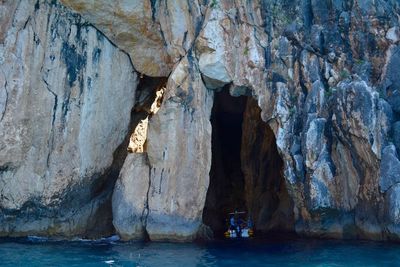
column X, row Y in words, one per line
column 324, row 75
column 59, row 128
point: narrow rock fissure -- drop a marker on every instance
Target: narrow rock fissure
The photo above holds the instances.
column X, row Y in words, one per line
column 54, row 114
column 146, row 208
column 102, row 223
column 150, row 96
column 247, row 170
column 3, row 112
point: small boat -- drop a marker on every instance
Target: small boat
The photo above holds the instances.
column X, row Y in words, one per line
column 238, row 227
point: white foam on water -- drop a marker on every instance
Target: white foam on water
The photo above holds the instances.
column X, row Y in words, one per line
column 34, row 238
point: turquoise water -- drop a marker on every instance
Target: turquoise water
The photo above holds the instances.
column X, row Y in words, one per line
column 37, row 252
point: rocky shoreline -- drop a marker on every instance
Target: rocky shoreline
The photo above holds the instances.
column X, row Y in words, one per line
column 289, row 110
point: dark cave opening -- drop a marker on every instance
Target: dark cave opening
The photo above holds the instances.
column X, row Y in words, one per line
column 226, row 189
column 246, row 171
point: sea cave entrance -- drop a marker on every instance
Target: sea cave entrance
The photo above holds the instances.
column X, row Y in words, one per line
column 247, row 170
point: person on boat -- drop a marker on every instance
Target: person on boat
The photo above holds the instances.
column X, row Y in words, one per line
column 249, row 223
column 232, row 224
column 240, row 223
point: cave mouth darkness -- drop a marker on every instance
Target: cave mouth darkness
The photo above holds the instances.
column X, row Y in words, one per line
column 246, row 171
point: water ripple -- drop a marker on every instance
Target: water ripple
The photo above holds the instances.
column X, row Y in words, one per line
column 37, row 251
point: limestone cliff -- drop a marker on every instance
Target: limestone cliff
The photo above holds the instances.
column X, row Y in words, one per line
column 307, row 140
column 66, row 99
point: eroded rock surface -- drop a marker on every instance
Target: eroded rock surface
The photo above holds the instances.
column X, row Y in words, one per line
column 327, row 90
column 319, row 85
column 156, row 34
column 167, row 202
column 325, row 75
column 66, row 97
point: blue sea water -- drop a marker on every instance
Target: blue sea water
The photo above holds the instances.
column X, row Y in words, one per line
column 39, row 252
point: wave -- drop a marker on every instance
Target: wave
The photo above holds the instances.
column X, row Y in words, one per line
column 41, row 239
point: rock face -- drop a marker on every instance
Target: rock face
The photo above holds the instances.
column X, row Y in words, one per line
column 161, row 190
column 327, row 89
column 66, row 97
column 156, row 34
column 267, row 197
column 319, row 155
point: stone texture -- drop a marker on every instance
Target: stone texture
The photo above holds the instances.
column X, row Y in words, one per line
column 396, row 135
column 342, row 127
column 393, row 211
column 156, row 34
column 130, row 197
column 175, row 203
column 393, row 34
column 390, row 168
column 390, row 80
column 178, row 153
column 66, row 95
column 325, row 75
column 317, row 84
column 267, row 197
